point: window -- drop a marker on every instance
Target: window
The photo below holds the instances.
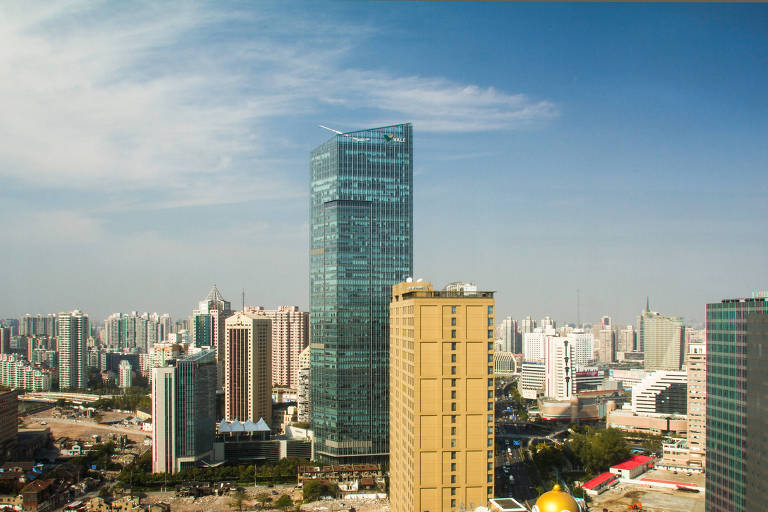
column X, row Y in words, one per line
column 490, row 478
column 453, row 466
column 490, row 490
column 453, row 310
column 453, row 504
column 490, row 310
column 490, row 418
column 490, row 345
column 453, row 406
column 453, row 479
column 490, row 358
column 453, row 491
column 453, row 455
column 490, row 454
column 453, row 382
column 453, row 419
column 490, row 430
column 453, row 333
column 453, row 431
column 490, row 370
column 490, row 466
column 490, row 333
column 453, row 443
column 490, row 406
column 453, row 345
column 490, row 321
column 490, row 393
column 453, row 358
column 490, row 442
column 453, row 394
column 490, row 382
column 453, row 370
column 453, row 321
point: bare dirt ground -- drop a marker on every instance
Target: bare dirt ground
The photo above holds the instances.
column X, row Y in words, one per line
column 653, row 500
column 83, row 428
column 224, row 503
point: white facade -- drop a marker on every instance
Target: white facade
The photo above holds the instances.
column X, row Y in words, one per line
column 560, row 383
column 163, row 420
column 125, row 374
column 532, row 377
column 16, row 372
column 303, row 398
column 583, row 344
column 533, row 343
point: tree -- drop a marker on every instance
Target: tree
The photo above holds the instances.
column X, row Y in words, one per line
column 263, row 498
column 283, row 502
column 313, row 489
column 238, row 499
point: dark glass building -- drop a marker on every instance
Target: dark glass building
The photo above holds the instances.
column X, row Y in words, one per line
column 730, row 447
column 361, row 243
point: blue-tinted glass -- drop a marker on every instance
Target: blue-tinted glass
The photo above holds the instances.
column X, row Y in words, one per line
column 361, row 243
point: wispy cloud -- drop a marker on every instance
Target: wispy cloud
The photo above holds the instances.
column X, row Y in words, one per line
column 182, row 98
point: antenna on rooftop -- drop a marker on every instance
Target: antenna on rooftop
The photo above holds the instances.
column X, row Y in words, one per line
column 337, row 132
column 578, row 309
column 243, row 300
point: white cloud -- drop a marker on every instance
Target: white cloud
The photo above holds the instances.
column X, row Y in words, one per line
column 97, row 95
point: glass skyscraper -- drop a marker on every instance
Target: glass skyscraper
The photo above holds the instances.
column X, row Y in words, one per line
column 731, row 447
column 361, row 243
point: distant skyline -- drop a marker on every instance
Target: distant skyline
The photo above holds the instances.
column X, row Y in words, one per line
column 150, row 151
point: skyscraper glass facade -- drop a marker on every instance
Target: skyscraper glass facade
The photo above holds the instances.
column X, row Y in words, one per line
column 195, row 407
column 361, row 243
column 727, row 413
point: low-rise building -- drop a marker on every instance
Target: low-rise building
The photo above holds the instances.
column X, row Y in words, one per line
column 599, row 484
column 633, row 466
column 659, row 424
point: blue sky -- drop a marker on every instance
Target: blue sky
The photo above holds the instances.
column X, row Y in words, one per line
column 148, row 151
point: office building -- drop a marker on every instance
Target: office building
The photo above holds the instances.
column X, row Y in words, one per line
column 125, row 374
column 441, row 399
column 512, row 340
column 757, row 410
column 208, row 322
column 732, row 450
column 533, row 375
column 661, row 339
column 184, row 413
column 72, row 342
column 661, row 392
column 696, row 367
column 361, row 243
column 290, row 335
column 303, row 391
column 5, row 340
column 248, row 368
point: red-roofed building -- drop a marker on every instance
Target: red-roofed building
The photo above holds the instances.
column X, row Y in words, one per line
column 633, row 466
column 599, row 484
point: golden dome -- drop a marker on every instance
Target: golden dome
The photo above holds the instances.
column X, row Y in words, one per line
column 556, row 501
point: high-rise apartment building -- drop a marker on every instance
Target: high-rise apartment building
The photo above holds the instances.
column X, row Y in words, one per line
column 662, row 339
column 696, row 367
column 184, row 412
column 9, row 424
column 136, row 332
column 626, row 339
column 39, row 325
column 441, row 399
column 290, row 335
column 303, row 392
column 733, row 451
column 528, row 324
column 72, row 343
column 605, row 340
column 125, row 374
column 512, row 340
column 248, row 368
column 361, row 243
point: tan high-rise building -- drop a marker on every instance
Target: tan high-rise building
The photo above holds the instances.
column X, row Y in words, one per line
column 248, row 368
column 290, row 335
column 441, row 419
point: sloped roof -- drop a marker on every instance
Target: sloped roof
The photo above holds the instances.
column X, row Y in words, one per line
column 215, row 295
